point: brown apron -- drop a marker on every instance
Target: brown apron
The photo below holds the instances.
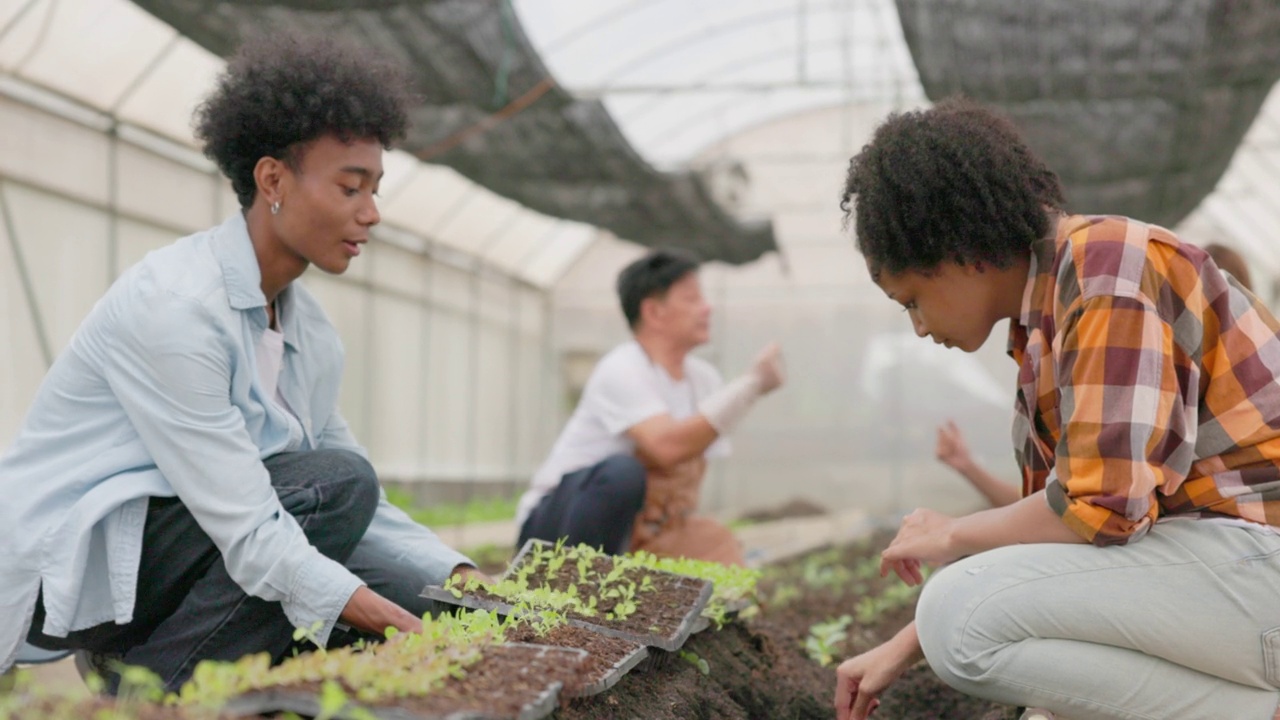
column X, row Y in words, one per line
column 668, row 527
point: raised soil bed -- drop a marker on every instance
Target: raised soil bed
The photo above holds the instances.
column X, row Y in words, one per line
column 754, row 667
column 758, row 667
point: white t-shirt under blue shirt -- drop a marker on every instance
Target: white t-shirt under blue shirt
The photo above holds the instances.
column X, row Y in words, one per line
column 625, row 389
column 269, row 353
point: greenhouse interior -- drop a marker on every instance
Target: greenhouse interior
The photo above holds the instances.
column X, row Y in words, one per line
column 551, row 143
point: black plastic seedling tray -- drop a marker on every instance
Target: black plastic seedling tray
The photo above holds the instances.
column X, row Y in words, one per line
column 670, row 642
column 616, row 673
column 307, row 704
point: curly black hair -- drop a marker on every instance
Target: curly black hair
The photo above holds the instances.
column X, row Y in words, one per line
column 282, row 90
column 954, row 182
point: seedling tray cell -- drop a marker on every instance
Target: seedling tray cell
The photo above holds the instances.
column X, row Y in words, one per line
column 616, row 673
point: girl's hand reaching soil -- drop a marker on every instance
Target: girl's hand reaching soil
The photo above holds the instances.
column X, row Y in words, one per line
column 925, row 536
column 861, row 679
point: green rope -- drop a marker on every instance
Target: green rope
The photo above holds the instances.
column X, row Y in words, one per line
column 500, row 93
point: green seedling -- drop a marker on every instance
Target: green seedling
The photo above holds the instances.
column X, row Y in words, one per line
column 871, row 608
column 692, row 658
column 445, row 515
column 784, row 594
column 311, row 634
column 729, row 584
column 332, row 699
column 571, row 569
column 825, row 639
column 407, row 665
column 140, row 691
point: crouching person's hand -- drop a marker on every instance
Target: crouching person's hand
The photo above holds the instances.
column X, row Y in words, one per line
column 372, row 613
column 769, row 369
column 860, row 680
column 463, row 573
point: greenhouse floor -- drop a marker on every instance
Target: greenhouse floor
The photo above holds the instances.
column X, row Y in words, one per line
column 765, row 542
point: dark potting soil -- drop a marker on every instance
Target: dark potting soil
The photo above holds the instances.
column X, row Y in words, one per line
column 748, row 678
column 794, row 508
column 759, row 669
column 603, row 652
column 659, row 611
column 508, row 678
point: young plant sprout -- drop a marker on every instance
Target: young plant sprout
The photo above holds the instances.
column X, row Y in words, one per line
column 825, row 639
column 732, row 585
column 408, row 664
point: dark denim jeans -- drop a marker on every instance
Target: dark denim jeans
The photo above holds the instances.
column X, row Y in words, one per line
column 189, row 609
column 595, row 505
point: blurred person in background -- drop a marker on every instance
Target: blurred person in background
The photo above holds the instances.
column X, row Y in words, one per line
column 1138, row 576
column 953, row 451
column 183, row 487
column 627, row 470
column 1230, row 262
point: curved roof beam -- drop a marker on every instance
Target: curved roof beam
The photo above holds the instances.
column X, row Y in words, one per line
column 687, row 122
column 17, row 18
column 586, row 29
column 738, row 24
column 747, row 62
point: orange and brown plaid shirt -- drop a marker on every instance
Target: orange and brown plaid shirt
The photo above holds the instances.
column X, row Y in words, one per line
column 1147, row 383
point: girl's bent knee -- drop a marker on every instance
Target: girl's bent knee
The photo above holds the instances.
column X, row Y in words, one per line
column 943, row 623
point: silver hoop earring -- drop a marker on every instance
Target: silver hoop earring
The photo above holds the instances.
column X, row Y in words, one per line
column 275, row 208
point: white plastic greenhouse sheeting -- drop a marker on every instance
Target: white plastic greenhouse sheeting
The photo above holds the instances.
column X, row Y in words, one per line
column 116, row 58
column 444, row 316
column 679, row 76
column 451, row 371
column 856, row 425
column 446, row 367
column 1243, row 211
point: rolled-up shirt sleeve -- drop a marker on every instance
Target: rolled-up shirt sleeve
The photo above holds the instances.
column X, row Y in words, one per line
column 171, row 367
column 1117, row 378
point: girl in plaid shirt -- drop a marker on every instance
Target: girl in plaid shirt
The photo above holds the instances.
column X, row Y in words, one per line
column 1138, row 576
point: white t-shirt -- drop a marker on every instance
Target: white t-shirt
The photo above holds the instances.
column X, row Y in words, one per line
column 269, row 353
column 624, row 389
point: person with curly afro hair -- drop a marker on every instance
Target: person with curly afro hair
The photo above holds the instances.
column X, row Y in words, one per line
column 1137, row 575
column 184, row 487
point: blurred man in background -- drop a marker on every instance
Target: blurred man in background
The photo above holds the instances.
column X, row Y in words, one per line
column 626, row 471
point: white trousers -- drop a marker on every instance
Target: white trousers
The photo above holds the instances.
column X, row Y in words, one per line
column 1181, row 624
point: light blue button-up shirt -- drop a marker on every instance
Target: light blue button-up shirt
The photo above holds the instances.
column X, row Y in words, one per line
column 158, row 395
